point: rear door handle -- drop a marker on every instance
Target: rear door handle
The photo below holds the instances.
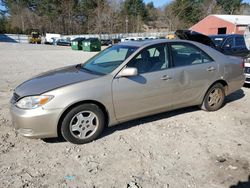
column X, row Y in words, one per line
column 166, row 77
column 210, row 69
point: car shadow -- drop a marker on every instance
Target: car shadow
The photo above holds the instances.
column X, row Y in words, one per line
column 234, row 96
column 242, row 184
column 149, row 119
column 132, row 123
column 58, row 139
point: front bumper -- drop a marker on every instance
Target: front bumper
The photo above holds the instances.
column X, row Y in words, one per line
column 247, row 73
column 35, row 123
column 247, row 78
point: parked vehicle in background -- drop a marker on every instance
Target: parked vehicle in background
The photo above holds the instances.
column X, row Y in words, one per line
column 106, row 42
column 49, row 37
column 138, row 38
column 115, row 41
column 247, row 37
column 149, row 38
column 247, row 71
column 247, row 61
column 195, row 36
column 35, row 37
column 128, row 39
column 54, row 39
column 62, row 42
column 123, row 82
column 152, row 37
column 233, row 44
column 218, row 40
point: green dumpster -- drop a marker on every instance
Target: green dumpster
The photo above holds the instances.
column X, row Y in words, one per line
column 76, row 44
column 91, row 45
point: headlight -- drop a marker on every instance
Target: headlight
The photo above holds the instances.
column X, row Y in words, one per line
column 32, row 102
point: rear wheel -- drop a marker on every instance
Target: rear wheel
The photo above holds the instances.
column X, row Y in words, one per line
column 83, row 124
column 214, row 98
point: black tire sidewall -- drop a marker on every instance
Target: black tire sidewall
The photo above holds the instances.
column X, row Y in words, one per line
column 65, row 129
column 205, row 102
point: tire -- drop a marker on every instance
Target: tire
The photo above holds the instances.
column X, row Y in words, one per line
column 83, row 124
column 214, row 98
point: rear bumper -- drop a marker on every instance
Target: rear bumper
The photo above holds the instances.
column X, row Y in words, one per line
column 35, row 123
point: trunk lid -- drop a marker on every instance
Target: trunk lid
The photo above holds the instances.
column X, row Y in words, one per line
column 194, row 36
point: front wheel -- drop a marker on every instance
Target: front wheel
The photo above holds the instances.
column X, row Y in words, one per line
column 214, row 98
column 83, row 124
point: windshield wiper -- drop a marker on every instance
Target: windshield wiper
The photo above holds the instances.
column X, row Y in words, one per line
column 91, row 71
column 78, row 66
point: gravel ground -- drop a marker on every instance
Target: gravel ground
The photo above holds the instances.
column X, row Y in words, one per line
column 182, row 148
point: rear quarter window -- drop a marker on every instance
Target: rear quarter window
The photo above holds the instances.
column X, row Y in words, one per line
column 185, row 54
column 239, row 41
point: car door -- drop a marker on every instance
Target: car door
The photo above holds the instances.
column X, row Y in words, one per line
column 240, row 48
column 150, row 91
column 193, row 72
column 227, row 46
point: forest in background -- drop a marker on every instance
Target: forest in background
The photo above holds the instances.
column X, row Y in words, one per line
column 108, row 16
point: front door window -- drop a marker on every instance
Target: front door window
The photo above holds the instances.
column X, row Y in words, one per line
column 150, row 59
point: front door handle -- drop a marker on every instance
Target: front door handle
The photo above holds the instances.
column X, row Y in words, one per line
column 210, row 69
column 166, row 77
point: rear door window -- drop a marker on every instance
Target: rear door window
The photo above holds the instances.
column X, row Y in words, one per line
column 239, row 41
column 187, row 54
column 229, row 42
column 218, row 41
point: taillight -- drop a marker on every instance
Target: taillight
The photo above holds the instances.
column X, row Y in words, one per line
column 242, row 64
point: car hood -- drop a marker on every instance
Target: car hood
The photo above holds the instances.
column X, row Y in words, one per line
column 54, row 79
column 194, row 36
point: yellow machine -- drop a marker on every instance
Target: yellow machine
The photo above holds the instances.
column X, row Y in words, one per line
column 171, row 36
column 35, row 37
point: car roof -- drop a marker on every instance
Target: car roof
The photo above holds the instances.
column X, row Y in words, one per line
column 140, row 43
column 225, row 35
column 153, row 42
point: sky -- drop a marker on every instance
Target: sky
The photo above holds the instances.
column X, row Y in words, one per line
column 157, row 3
column 1, row 7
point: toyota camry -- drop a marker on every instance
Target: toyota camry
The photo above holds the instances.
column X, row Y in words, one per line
column 124, row 82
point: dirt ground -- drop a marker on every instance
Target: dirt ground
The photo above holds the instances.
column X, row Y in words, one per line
column 182, row 148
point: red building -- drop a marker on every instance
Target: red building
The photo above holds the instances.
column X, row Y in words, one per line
column 222, row 24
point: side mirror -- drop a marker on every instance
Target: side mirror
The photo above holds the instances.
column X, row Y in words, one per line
column 128, row 71
column 227, row 46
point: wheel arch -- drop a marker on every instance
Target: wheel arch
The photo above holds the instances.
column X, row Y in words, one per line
column 222, row 82
column 100, row 105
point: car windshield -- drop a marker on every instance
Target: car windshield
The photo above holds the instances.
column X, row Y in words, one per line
column 109, row 59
